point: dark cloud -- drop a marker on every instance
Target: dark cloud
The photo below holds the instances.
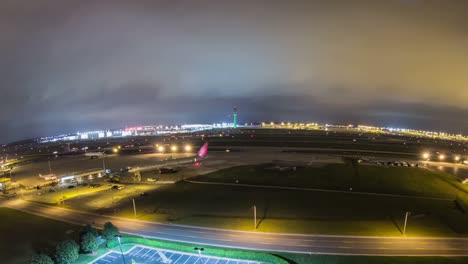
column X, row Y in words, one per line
column 75, row 65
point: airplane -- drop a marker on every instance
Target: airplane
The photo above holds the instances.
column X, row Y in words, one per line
column 95, row 155
column 201, row 155
column 48, row 177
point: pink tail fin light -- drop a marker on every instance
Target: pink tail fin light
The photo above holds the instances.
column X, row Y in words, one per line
column 203, row 151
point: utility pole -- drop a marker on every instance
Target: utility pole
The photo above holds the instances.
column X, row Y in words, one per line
column 104, row 165
column 134, row 207
column 255, row 217
column 406, row 220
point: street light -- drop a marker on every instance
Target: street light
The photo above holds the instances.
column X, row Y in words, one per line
column 441, row 157
column 120, row 245
column 457, row 158
column 188, row 148
column 134, row 207
column 161, row 148
column 255, row 217
column 173, row 148
column 406, row 220
column 199, row 251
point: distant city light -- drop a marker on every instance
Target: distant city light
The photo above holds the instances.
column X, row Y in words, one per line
column 161, row 148
column 457, row 158
column 173, row 148
column 441, row 157
column 426, row 155
column 115, row 150
column 188, row 148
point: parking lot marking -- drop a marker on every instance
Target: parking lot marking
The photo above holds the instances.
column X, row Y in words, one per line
column 144, row 254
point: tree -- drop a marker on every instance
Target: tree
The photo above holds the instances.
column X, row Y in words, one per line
column 89, row 242
column 110, row 231
column 41, row 259
column 89, row 229
column 67, row 252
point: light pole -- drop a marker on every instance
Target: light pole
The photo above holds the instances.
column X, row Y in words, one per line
column 120, row 245
column 255, row 217
column 134, row 207
column 199, row 251
column 406, row 220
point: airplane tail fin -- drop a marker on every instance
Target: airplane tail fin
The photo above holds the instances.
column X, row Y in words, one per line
column 203, row 151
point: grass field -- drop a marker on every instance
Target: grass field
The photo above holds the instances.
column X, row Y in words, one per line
column 295, row 211
column 24, row 234
column 312, row 212
column 379, row 179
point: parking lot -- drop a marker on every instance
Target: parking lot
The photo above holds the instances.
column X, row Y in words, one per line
column 143, row 255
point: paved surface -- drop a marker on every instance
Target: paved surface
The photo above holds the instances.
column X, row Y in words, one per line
column 320, row 244
column 143, row 255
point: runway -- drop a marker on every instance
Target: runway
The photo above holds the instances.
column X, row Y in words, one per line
column 297, row 243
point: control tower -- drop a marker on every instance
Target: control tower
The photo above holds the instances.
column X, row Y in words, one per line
column 234, row 116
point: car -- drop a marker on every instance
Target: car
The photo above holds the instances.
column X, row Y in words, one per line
column 118, row 187
column 151, row 179
column 95, row 185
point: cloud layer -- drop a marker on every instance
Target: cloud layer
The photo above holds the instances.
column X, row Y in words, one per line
column 74, row 65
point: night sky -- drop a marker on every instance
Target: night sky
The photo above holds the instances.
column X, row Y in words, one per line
column 68, row 66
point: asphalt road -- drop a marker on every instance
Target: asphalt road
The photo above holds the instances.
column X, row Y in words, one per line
column 323, row 244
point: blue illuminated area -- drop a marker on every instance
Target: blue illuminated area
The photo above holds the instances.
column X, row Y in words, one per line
column 135, row 131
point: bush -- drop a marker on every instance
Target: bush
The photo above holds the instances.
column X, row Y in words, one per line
column 41, row 259
column 89, row 229
column 89, row 242
column 67, row 252
column 110, row 231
